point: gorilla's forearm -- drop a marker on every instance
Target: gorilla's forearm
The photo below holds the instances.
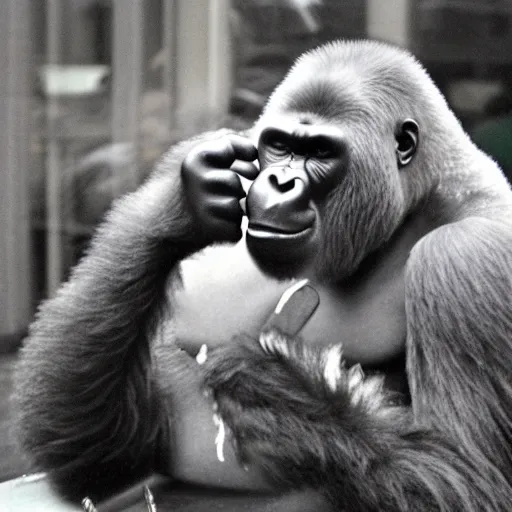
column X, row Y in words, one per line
column 89, row 411
column 341, row 432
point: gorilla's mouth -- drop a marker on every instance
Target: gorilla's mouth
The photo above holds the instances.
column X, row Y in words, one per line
column 256, row 230
column 279, row 252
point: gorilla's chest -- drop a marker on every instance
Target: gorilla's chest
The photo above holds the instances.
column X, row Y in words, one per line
column 224, row 294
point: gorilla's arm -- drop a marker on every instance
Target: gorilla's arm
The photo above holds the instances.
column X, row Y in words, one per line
column 459, row 323
column 308, row 421
column 89, row 409
column 85, row 391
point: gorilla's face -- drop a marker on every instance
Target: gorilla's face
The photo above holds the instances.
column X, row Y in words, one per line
column 330, row 190
column 300, row 164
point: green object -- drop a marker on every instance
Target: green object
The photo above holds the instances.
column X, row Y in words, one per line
column 494, row 137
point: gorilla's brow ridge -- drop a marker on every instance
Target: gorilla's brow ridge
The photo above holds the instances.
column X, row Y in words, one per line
column 331, row 99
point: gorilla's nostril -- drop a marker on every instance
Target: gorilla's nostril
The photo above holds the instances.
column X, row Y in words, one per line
column 284, row 186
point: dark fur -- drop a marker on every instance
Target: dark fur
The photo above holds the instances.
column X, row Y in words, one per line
column 91, row 409
column 366, row 453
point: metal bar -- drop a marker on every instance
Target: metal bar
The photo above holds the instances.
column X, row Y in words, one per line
column 389, row 21
column 54, row 246
column 15, row 264
column 202, row 66
column 170, row 57
column 127, row 62
column 191, row 66
column 219, row 61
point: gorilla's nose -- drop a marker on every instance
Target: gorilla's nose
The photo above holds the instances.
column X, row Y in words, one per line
column 279, row 200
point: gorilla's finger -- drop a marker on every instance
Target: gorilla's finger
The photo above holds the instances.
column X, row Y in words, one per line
column 221, row 218
column 219, row 153
column 225, row 230
column 244, row 149
column 223, row 183
column 243, row 204
column 226, row 208
column 246, row 169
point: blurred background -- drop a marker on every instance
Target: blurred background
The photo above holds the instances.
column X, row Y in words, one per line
column 92, row 92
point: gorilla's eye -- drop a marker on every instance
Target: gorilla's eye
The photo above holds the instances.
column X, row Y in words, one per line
column 277, row 144
column 321, row 148
column 276, row 141
column 322, row 151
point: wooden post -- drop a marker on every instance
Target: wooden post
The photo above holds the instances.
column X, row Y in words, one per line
column 127, row 70
column 15, row 265
column 389, row 21
column 53, row 163
column 198, row 74
column 170, row 43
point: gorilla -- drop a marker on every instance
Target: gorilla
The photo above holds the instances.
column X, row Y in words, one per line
column 378, row 244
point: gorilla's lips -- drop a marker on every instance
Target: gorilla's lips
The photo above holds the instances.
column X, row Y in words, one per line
column 280, row 230
column 278, row 233
column 280, row 252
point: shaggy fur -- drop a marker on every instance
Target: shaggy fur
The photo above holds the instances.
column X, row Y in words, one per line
column 91, row 410
column 350, row 442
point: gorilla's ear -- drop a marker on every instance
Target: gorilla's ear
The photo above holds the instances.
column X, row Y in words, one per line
column 407, row 138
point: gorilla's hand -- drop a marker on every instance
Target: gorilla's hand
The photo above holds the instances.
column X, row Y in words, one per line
column 212, row 185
